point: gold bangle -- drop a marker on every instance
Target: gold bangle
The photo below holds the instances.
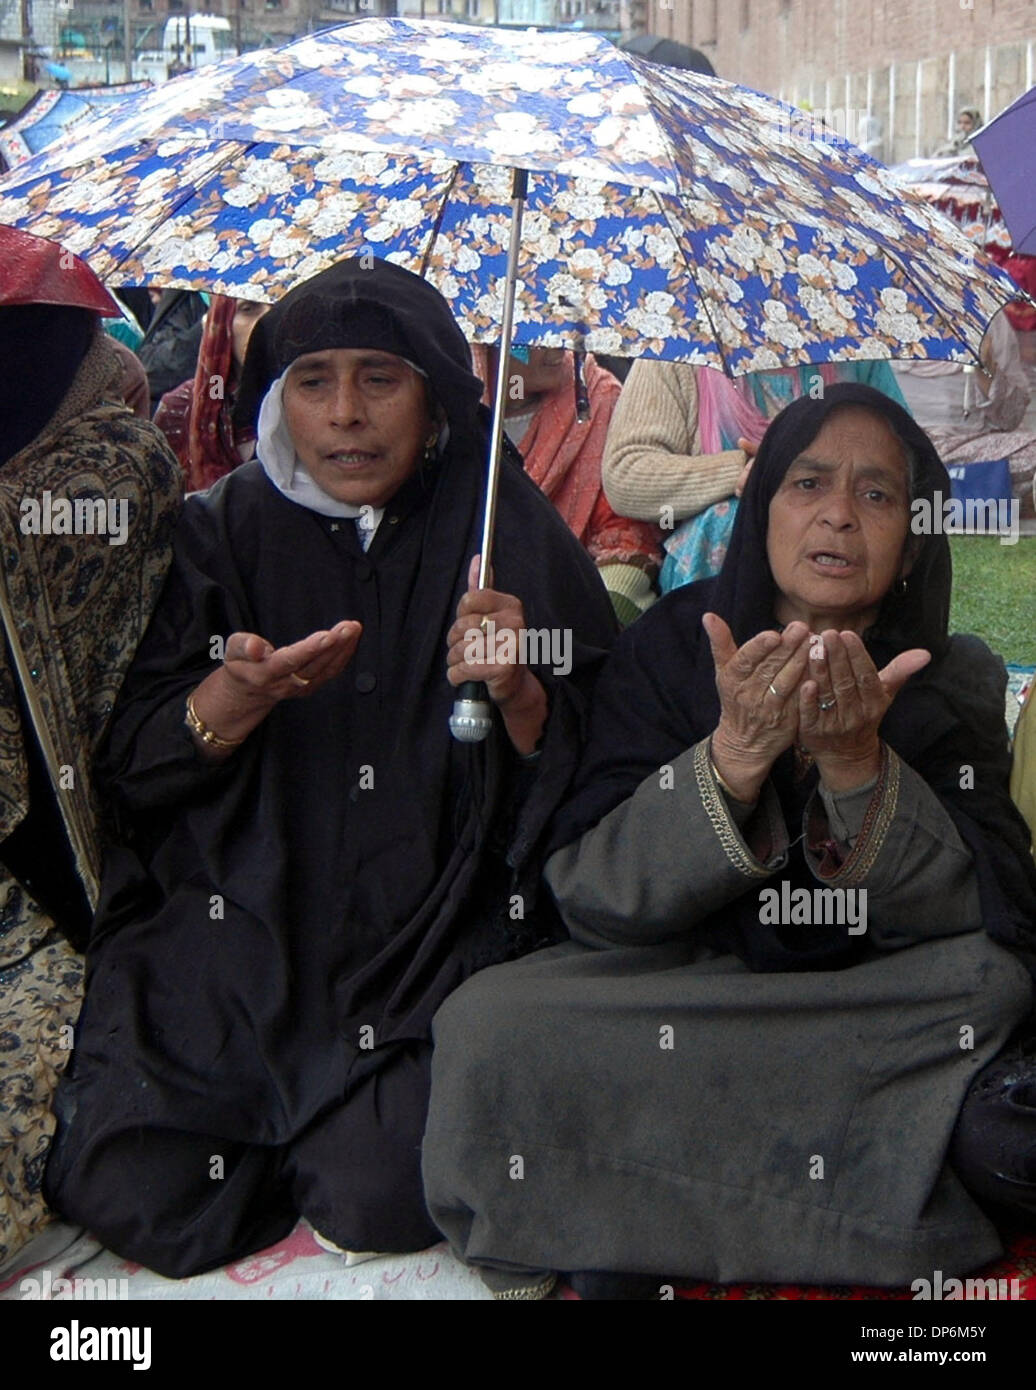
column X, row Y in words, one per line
column 726, row 785
column 203, row 731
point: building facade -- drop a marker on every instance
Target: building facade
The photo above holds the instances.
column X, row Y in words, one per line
column 911, row 65
column 260, row 23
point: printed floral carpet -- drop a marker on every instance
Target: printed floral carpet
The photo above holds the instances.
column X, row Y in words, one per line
column 297, row 1268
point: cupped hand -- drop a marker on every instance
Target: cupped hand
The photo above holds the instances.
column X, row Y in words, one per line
column 758, row 686
column 843, row 701
column 268, row 674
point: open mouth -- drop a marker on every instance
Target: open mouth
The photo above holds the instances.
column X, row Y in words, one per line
column 829, row 560
column 352, row 458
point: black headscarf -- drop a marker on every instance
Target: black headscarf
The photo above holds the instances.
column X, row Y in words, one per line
column 366, row 303
column 42, row 346
column 657, row 697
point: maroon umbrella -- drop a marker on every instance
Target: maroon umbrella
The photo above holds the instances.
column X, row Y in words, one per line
column 36, row 271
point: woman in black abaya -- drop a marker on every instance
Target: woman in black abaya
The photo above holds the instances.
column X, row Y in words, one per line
column 308, row 863
column 706, row 1083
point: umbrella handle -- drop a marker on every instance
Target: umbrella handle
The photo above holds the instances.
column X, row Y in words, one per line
column 472, row 716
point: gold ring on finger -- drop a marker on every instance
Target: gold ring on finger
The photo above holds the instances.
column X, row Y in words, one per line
column 829, row 703
column 300, row 680
column 773, row 690
column 485, row 622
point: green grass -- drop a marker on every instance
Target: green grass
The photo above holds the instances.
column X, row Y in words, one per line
column 994, row 594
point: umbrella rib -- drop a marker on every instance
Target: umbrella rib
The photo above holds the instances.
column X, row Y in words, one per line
column 701, row 296
column 168, row 214
column 919, row 289
column 427, row 255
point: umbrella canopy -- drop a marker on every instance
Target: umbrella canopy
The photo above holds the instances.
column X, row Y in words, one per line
column 49, row 115
column 668, row 213
column 1007, row 149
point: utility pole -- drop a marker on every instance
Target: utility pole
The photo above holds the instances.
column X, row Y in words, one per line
column 28, row 62
column 127, row 29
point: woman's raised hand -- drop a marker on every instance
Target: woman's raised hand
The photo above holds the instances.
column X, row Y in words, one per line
column 255, row 676
column 749, row 450
column 289, row 673
column 758, row 687
column 842, row 703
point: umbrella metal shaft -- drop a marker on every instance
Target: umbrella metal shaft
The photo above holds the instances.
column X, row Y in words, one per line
column 472, row 716
column 519, row 190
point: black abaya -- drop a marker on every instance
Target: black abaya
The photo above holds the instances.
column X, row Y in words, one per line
column 277, row 930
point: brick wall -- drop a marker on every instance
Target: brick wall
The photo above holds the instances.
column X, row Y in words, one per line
column 832, row 52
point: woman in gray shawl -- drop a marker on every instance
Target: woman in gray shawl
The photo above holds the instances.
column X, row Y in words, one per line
column 800, row 901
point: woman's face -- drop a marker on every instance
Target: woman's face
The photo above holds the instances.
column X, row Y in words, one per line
column 839, row 523
column 545, row 372
column 246, row 316
column 359, row 420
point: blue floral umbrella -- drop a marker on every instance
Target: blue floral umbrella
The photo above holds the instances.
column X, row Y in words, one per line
column 667, row 213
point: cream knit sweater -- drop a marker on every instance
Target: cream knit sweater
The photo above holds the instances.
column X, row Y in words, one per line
column 652, row 456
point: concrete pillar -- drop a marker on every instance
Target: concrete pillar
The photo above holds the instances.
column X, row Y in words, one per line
column 890, row 139
column 918, row 80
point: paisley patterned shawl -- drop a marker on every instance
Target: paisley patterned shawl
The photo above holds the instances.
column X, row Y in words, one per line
column 74, row 608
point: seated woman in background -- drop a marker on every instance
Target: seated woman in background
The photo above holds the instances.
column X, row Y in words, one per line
column 800, row 901
column 197, row 416
column 74, row 604
column 971, row 418
column 681, row 443
column 308, row 862
column 562, row 455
